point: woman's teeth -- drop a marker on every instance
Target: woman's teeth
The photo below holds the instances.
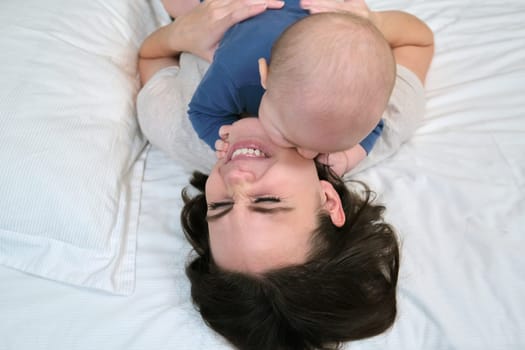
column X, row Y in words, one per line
column 251, row 152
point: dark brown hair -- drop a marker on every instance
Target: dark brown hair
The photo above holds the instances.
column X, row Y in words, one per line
column 345, row 291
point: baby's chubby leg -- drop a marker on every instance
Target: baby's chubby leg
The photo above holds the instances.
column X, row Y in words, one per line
column 162, row 106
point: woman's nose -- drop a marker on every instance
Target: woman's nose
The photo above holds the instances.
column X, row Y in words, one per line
column 238, row 177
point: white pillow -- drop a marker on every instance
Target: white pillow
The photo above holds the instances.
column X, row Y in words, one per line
column 71, row 156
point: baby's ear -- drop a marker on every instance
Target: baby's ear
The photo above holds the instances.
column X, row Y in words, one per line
column 263, row 71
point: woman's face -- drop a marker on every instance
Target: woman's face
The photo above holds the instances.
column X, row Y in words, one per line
column 263, row 202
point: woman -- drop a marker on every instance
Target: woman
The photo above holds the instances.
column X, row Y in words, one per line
column 287, row 256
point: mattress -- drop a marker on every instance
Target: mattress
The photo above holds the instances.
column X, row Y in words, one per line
column 455, row 192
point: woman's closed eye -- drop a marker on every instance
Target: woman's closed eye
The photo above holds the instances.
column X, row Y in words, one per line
column 270, row 199
column 216, row 213
column 263, row 204
column 217, row 205
column 226, row 203
column 269, row 205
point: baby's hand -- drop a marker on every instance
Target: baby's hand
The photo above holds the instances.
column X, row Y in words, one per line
column 343, row 162
column 222, row 145
column 221, row 148
column 337, row 161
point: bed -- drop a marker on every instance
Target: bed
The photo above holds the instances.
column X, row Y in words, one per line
column 92, row 254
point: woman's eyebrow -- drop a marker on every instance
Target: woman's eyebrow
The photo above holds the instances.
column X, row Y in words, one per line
column 219, row 215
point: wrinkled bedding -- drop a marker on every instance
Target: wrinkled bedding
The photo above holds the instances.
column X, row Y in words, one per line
column 455, row 192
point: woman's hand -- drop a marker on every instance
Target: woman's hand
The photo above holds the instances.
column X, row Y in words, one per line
column 411, row 40
column 356, row 7
column 200, row 30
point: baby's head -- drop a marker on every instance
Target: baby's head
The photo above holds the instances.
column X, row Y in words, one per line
column 327, row 84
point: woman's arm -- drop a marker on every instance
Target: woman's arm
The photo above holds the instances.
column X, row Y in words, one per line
column 156, row 53
column 198, row 31
column 411, row 40
column 177, row 8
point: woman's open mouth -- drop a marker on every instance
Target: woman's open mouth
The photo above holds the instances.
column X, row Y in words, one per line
column 247, row 150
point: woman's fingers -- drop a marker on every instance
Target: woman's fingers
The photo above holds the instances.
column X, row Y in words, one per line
column 213, row 18
column 231, row 12
column 200, row 30
column 275, row 4
column 357, row 7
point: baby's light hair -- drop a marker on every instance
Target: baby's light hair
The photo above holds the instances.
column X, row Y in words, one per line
column 337, row 70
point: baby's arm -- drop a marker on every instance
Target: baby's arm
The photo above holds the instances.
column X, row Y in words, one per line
column 214, row 104
column 343, row 162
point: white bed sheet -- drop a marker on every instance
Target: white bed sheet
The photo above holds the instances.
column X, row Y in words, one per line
column 455, row 192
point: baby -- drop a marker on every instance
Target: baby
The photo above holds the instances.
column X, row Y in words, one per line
column 326, row 85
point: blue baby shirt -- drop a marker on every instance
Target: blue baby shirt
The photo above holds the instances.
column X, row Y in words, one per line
column 232, row 86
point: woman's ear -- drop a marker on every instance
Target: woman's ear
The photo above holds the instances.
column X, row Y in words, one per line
column 332, row 204
column 263, row 71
